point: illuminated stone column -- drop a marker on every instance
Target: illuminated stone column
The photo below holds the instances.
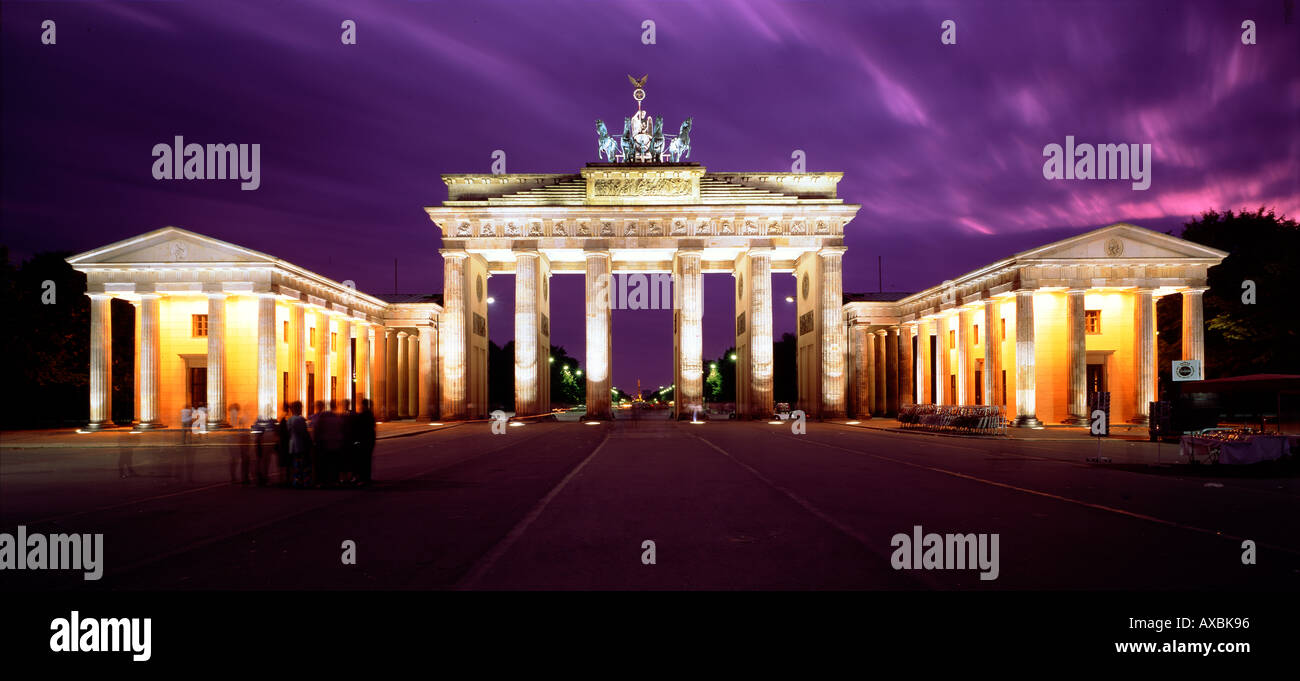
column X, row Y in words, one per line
column 882, row 371
column 834, row 342
column 1144, row 354
column 453, row 337
column 150, row 361
column 403, row 375
column 760, row 335
column 858, row 350
column 992, row 354
column 101, row 361
column 964, row 372
column 362, row 391
column 923, row 362
column 266, row 383
column 869, row 363
column 1076, row 357
column 298, row 353
column 688, row 294
column 1025, row 386
column 891, row 369
column 413, row 374
column 217, row 361
column 1194, row 327
column 322, row 362
column 393, row 353
column 599, row 368
column 906, row 372
column 379, row 373
column 530, row 361
column 343, row 359
column 943, row 364
column 426, row 377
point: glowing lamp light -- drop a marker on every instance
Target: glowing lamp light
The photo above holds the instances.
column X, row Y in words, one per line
column 789, row 299
column 592, row 423
column 733, row 356
column 435, row 424
column 853, row 423
column 774, row 423
column 514, row 424
column 491, row 300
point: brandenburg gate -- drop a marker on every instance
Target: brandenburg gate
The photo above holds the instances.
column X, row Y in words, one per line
column 659, row 217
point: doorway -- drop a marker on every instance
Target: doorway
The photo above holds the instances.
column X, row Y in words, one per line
column 197, row 386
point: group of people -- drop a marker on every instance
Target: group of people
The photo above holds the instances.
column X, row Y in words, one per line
column 331, row 448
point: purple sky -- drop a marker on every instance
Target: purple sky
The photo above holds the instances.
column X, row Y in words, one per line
column 942, row 145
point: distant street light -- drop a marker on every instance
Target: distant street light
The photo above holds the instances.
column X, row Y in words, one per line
column 789, row 299
column 733, row 356
column 491, row 300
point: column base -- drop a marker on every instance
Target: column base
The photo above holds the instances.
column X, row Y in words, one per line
column 1076, row 421
column 1141, row 420
column 150, row 425
column 1028, row 422
column 218, row 426
column 100, row 425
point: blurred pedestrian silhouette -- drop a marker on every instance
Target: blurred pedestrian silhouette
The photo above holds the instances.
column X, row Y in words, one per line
column 284, row 460
column 329, row 445
column 300, row 447
column 187, row 422
column 364, row 429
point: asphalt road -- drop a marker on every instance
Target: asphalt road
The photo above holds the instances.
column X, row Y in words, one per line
column 728, row 506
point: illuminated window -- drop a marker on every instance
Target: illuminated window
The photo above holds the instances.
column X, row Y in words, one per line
column 1092, row 321
column 311, row 338
column 286, row 332
column 334, row 341
column 198, row 325
column 1004, row 329
column 952, row 338
column 975, row 336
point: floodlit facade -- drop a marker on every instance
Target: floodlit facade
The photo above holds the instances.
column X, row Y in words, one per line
column 1035, row 332
column 218, row 324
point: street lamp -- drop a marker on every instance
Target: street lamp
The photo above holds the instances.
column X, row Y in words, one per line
column 789, row 299
column 491, row 300
column 733, row 356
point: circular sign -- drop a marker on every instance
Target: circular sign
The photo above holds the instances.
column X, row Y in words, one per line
column 638, row 94
column 1114, row 248
column 546, row 288
column 805, row 286
column 1185, row 370
column 478, row 287
column 740, row 287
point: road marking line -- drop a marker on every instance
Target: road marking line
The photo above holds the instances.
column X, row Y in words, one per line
column 818, row 513
column 1049, row 495
column 476, row 574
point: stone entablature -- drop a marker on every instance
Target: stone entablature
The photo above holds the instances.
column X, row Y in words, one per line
column 174, row 261
column 1119, row 256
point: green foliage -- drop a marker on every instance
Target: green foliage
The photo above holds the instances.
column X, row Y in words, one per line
column 1243, row 338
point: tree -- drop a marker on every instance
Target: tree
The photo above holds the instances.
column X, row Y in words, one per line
column 1242, row 337
column 713, row 384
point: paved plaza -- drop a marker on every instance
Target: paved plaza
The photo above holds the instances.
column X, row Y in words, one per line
column 728, row 505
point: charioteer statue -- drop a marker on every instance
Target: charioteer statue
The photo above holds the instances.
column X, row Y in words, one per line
column 643, row 139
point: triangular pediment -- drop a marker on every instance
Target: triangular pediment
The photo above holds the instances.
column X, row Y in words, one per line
column 1121, row 241
column 170, row 245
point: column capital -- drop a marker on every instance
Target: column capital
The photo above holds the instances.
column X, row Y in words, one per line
column 831, row 250
column 1197, row 290
column 1076, row 289
column 881, row 332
